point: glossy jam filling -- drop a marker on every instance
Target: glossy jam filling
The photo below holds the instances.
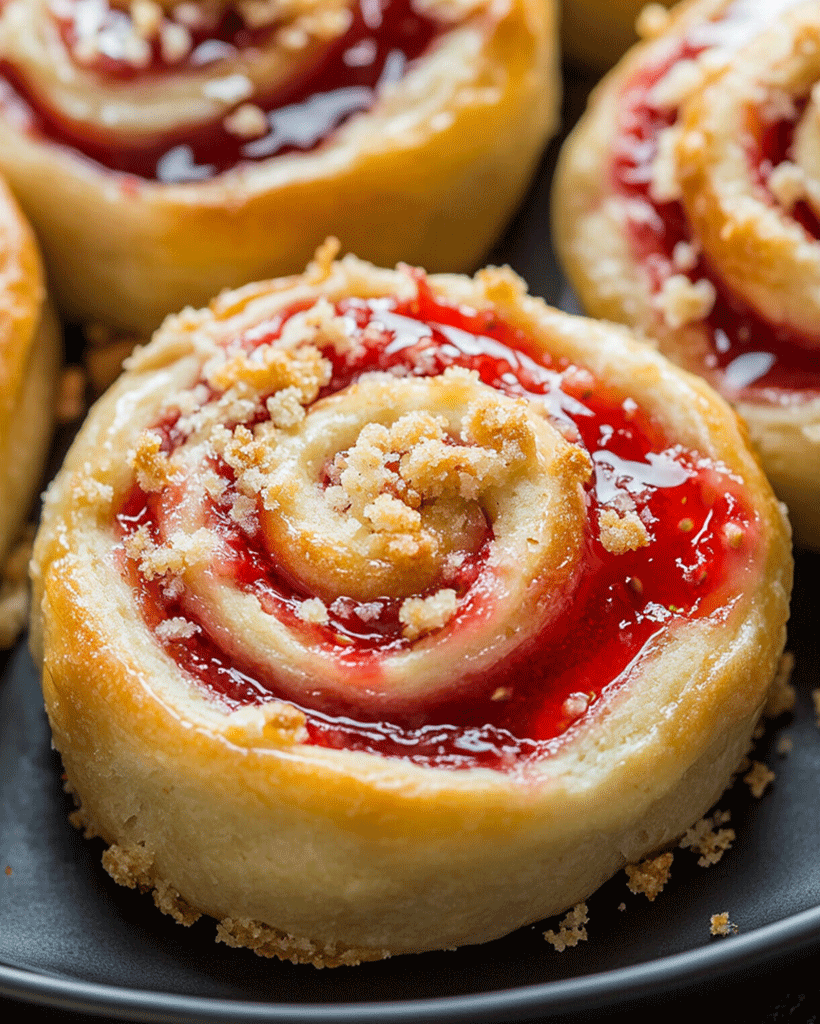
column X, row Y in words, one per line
column 751, row 354
column 703, row 542
column 343, row 80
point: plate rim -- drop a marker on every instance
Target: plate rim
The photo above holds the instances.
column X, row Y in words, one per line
column 717, row 960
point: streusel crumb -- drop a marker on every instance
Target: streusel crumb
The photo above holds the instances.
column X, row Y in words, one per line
column 622, row 533
column 649, row 876
column 758, row 778
column 721, row 925
column 571, row 930
column 707, row 838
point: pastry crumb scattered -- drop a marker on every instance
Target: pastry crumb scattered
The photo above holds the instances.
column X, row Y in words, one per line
column 621, row 906
column 784, row 745
column 571, row 929
column 313, row 610
column 649, row 876
column 719, row 924
column 8, row 870
column 622, row 533
column 758, row 778
column 708, row 838
column 421, row 615
column 683, row 302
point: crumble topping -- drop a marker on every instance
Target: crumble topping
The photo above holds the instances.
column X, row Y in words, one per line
column 719, row 924
column 501, row 284
column 788, row 184
column 421, row 615
column 707, row 838
column 576, row 704
column 571, row 930
column 664, row 186
column 683, row 302
column 129, row 865
column 152, row 467
column 649, row 876
column 784, row 745
column 181, row 552
column 621, row 533
column 652, row 21
column 758, row 778
column 247, row 121
column 270, row 942
column 677, row 85
column 276, row 722
column 176, row 628
column 313, row 610
column 271, row 368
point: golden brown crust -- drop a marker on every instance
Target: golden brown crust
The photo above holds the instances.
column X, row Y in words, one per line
column 469, row 119
column 354, row 851
column 702, row 161
column 29, row 355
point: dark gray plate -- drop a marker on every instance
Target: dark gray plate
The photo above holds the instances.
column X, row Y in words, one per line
column 71, row 938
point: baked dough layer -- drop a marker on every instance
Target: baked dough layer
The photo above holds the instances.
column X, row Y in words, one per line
column 759, row 252
column 459, row 133
column 330, row 855
column 30, row 354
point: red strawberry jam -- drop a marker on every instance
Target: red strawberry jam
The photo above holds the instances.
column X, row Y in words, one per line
column 753, row 354
column 703, row 541
column 384, row 37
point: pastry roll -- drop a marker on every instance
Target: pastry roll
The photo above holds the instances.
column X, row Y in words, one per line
column 165, row 154
column 381, row 613
column 29, row 364
column 686, row 206
column 596, row 33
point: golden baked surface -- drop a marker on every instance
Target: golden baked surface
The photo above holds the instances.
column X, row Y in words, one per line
column 685, row 207
column 182, row 152
column 29, row 356
column 349, row 627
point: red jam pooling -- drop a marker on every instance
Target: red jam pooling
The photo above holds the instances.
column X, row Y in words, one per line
column 384, row 37
column 703, row 542
column 752, row 354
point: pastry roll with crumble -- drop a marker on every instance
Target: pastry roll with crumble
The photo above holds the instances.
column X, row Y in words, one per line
column 415, row 610
column 164, row 154
column 686, row 205
column 30, row 356
column 596, row 33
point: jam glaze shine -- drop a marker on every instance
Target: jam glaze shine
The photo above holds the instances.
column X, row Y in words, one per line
column 748, row 356
column 702, row 542
column 338, row 80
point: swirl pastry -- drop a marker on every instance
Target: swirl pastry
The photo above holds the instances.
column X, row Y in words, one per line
column 415, row 611
column 597, row 32
column 686, row 206
column 29, row 363
column 186, row 150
